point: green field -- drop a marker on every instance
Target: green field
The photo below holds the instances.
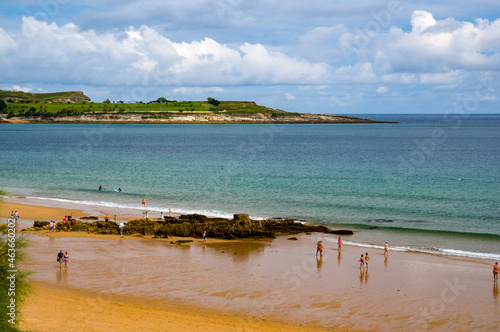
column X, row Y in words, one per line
column 22, row 104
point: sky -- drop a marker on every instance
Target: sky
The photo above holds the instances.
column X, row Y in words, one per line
column 320, row 56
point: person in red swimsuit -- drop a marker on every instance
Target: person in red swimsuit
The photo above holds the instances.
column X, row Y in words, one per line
column 361, row 262
column 496, row 271
column 340, row 243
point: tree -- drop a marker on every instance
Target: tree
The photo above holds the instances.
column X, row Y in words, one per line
column 213, row 101
column 161, row 100
column 107, row 101
column 3, row 105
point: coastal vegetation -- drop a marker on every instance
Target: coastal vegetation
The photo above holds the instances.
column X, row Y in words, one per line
column 13, row 281
column 76, row 107
column 22, row 104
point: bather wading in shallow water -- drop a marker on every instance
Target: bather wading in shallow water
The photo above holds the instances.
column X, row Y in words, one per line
column 319, row 248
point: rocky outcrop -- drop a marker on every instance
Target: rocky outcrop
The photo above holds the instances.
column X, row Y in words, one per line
column 201, row 118
column 194, row 225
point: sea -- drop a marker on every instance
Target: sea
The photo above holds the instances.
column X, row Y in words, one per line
column 423, row 183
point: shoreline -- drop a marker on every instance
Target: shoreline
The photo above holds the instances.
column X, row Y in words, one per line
column 203, row 118
column 274, row 281
column 130, row 213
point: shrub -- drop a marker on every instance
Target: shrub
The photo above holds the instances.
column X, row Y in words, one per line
column 9, row 261
column 213, row 101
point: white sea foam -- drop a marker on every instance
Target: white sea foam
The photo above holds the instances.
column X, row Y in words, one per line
column 427, row 250
column 149, row 208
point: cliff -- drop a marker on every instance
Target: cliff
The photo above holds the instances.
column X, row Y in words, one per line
column 215, row 118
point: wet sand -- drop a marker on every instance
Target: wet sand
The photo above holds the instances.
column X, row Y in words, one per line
column 266, row 281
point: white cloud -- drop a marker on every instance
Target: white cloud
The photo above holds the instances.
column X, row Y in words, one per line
column 421, row 20
column 439, row 46
column 382, row 89
column 289, row 96
column 18, row 88
column 320, row 44
column 197, row 90
column 432, row 52
column 144, row 57
column 340, row 99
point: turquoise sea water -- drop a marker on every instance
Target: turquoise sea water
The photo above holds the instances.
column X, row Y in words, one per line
column 427, row 183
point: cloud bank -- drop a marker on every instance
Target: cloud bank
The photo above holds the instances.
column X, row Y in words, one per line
column 346, row 64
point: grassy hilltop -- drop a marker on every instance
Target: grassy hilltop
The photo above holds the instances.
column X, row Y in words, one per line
column 72, row 103
column 75, row 107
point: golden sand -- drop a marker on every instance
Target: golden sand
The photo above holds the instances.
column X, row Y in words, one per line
column 143, row 284
column 58, row 309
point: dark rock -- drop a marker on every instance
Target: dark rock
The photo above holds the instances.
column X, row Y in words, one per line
column 40, row 223
column 194, row 225
column 90, row 218
column 292, row 238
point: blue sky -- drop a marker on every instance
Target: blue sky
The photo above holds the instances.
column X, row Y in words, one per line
column 322, row 56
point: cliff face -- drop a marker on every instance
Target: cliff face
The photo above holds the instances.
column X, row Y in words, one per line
column 200, row 118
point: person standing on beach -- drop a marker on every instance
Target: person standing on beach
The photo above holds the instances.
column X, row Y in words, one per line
column 60, row 257
column 12, row 215
column 367, row 259
column 161, row 215
column 204, row 236
column 319, row 248
column 340, row 243
column 170, row 212
column 361, row 262
column 120, row 227
column 16, row 215
column 146, row 215
column 386, row 249
column 143, row 202
column 496, row 271
column 66, row 259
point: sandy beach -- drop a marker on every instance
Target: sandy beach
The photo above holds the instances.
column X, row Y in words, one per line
column 115, row 283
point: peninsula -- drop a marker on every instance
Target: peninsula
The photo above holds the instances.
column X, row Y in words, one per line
column 76, row 107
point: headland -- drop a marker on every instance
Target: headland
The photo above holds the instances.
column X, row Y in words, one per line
column 76, row 107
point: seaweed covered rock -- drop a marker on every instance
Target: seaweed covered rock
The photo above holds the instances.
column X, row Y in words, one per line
column 194, row 225
column 40, row 223
column 289, row 226
column 90, row 218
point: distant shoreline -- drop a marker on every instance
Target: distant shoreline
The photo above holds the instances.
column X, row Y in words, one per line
column 141, row 118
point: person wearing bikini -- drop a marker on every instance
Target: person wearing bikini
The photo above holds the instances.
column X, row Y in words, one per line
column 66, row 259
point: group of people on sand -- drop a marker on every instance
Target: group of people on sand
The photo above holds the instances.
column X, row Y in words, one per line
column 145, row 214
column 364, row 260
column 14, row 215
column 319, row 246
column 68, row 218
column 62, row 258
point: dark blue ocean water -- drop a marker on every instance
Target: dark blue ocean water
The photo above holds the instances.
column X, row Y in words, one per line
column 428, row 183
